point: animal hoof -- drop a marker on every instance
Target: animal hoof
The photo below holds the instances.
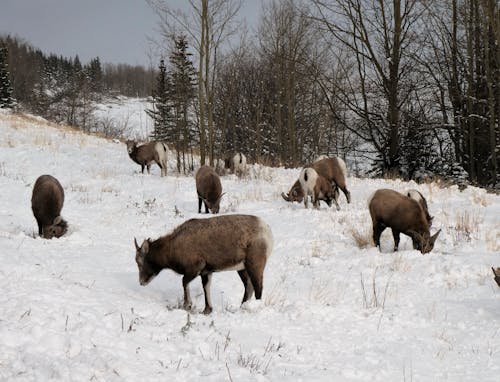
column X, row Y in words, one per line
column 187, row 306
column 207, row 310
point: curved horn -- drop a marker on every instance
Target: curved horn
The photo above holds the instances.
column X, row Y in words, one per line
column 434, row 237
column 285, row 196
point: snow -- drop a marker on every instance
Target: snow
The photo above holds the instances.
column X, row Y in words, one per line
column 72, row 308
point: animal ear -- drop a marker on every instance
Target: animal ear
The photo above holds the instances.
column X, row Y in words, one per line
column 57, row 220
column 136, row 245
column 434, row 237
column 145, row 247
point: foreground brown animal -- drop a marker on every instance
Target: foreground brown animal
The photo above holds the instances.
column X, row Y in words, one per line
column 402, row 214
column 209, row 189
column 47, row 202
column 200, row 247
column 496, row 273
column 147, row 154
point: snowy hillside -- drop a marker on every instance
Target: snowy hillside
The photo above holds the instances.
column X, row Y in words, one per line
column 72, row 308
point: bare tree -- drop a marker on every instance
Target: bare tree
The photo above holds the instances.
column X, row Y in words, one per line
column 209, row 24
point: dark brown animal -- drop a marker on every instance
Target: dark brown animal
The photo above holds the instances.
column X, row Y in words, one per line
column 402, row 214
column 209, row 189
column 496, row 273
column 200, row 247
column 46, row 202
column 147, row 154
column 332, row 169
column 317, row 186
column 414, row 194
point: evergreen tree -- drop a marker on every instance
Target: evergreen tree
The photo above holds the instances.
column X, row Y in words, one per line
column 161, row 113
column 6, row 100
column 183, row 81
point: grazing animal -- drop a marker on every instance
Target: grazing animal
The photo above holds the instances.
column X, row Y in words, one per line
column 333, row 169
column 147, row 154
column 199, row 247
column 402, row 214
column 317, row 186
column 209, row 189
column 414, row 194
column 236, row 163
column 47, row 202
column 496, row 273
column 295, row 194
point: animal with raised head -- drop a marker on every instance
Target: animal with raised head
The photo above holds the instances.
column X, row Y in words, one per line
column 389, row 208
column 332, row 169
column 209, row 189
column 236, row 163
column 148, row 153
column 414, row 194
column 317, row 186
column 496, row 273
column 199, row 247
column 46, row 202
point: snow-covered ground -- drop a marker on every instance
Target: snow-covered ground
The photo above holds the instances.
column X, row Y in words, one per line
column 72, row 308
column 125, row 115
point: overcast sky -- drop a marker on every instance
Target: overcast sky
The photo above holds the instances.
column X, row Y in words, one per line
column 114, row 30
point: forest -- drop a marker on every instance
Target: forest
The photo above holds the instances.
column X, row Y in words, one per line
column 408, row 86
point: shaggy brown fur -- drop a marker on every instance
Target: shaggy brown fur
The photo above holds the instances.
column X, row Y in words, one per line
column 209, row 189
column 200, row 247
column 147, row 154
column 402, row 214
column 47, row 202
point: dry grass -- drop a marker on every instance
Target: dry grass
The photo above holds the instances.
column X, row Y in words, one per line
column 362, row 237
column 466, row 226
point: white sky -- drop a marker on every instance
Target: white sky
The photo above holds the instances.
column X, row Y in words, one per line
column 114, row 30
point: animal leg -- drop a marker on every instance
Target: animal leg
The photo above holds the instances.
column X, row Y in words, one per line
column 142, row 169
column 148, row 166
column 206, row 280
column 199, row 204
column 247, row 283
column 40, row 230
column 395, row 235
column 206, row 207
column 346, row 193
column 378, row 228
column 256, row 261
column 187, row 296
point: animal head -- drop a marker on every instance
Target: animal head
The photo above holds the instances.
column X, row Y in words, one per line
column 130, row 146
column 215, row 206
column 147, row 269
column 58, row 228
column 424, row 243
column 496, row 272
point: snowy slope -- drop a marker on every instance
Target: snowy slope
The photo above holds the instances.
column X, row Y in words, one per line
column 72, row 308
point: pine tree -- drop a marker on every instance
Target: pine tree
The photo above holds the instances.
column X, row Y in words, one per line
column 183, row 81
column 161, row 111
column 6, row 100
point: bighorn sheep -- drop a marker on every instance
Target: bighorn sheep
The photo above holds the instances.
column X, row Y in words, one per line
column 147, row 154
column 496, row 273
column 209, row 189
column 317, row 186
column 414, row 194
column 237, row 164
column 46, row 202
column 199, row 247
column 402, row 214
column 333, row 169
